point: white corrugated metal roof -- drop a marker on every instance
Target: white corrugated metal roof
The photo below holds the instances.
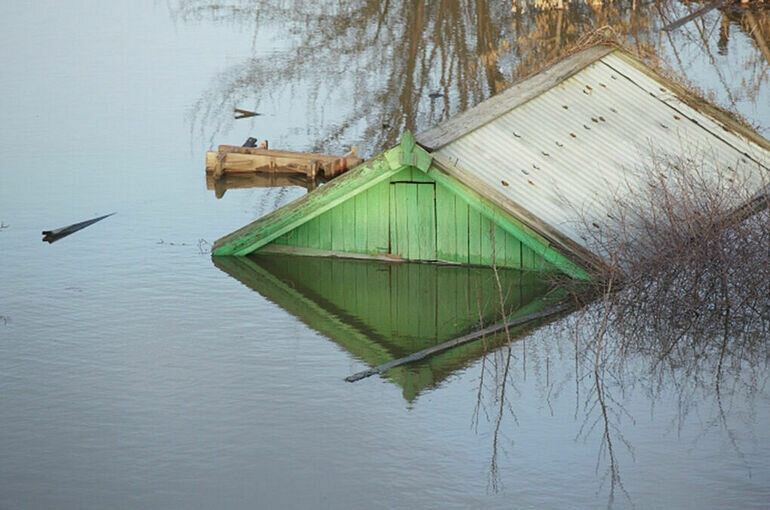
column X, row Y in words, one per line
column 566, row 152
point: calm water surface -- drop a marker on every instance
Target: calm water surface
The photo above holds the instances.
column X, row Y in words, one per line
column 134, row 373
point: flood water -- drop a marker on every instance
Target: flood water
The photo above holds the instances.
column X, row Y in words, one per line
column 137, row 373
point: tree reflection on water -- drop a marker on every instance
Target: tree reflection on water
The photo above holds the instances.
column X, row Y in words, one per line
column 369, row 70
column 713, row 375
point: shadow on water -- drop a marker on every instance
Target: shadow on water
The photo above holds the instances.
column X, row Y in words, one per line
column 391, row 66
column 383, row 311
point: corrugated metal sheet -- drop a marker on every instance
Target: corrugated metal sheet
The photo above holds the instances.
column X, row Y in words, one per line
column 566, row 153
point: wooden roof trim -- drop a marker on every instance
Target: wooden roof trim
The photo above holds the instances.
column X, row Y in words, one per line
column 511, row 98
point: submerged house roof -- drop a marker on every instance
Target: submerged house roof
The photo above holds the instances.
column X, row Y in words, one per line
column 534, row 164
column 555, row 148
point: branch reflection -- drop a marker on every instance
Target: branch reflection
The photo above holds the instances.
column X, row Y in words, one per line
column 366, row 71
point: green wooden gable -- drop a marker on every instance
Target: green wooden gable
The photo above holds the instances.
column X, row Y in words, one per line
column 379, row 312
column 399, row 205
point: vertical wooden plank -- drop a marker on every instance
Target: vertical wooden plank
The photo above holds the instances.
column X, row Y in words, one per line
column 512, row 251
column 474, row 236
column 301, row 233
column 426, row 220
column 461, row 231
column 413, row 242
column 500, row 246
column 398, row 233
column 378, row 219
column 446, row 238
column 527, row 258
column 487, row 238
column 349, row 224
column 313, row 233
column 291, row 237
column 361, row 223
column 325, row 231
column 337, row 229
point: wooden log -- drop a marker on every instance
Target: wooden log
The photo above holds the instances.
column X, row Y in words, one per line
column 491, row 330
column 233, row 159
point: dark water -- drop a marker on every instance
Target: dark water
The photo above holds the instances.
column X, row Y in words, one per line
column 136, row 373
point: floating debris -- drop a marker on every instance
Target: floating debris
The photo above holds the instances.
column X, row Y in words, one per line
column 51, row 236
column 244, row 114
column 231, row 159
column 435, row 95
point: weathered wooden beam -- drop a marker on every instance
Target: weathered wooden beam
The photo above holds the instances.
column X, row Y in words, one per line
column 232, row 159
column 430, row 351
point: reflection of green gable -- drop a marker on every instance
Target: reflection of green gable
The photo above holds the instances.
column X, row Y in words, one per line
column 382, row 311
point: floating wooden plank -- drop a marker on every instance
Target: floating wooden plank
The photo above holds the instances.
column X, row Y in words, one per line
column 51, row 236
column 230, row 159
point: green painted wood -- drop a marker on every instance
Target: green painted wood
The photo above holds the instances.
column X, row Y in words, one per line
column 418, row 216
column 413, row 220
column 512, row 251
column 264, row 230
column 337, row 227
column 446, row 238
column 325, row 230
column 313, row 229
column 474, row 229
column 528, row 259
column 416, row 220
column 409, row 193
column 486, row 236
column 350, row 218
column 462, row 219
column 302, row 238
column 526, row 235
column 501, row 245
column 378, row 219
column 348, row 230
column 425, row 221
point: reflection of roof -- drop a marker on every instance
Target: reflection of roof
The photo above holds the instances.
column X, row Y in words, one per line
column 553, row 149
column 379, row 312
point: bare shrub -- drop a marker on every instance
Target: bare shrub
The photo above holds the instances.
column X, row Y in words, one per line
column 687, row 252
